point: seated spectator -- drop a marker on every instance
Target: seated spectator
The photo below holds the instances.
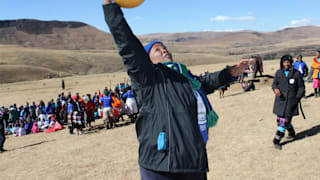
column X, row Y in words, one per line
column 52, row 123
column 28, row 127
column 40, row 123
column 35, row 128
column 15, row 129
column 45, row 125
column 22, row 131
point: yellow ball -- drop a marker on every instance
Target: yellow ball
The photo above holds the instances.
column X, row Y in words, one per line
column 129, row 3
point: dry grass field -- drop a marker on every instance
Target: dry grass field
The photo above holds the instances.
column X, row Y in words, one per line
column 239, row 147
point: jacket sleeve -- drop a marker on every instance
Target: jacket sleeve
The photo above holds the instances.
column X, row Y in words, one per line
column 301, row 87
column 315, row 65
column 213, row 81
column 275, row 84
column 134, row 57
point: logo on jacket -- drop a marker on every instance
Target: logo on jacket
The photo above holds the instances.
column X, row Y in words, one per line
column 291, row 81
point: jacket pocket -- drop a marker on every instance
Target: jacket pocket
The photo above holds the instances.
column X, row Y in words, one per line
column 162, row 141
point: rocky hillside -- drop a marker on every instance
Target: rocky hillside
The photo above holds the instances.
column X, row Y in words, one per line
column 53, row 35
column 301, row 40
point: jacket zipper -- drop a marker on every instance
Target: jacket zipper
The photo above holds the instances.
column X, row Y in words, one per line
column 169, row 134
column 284, row 111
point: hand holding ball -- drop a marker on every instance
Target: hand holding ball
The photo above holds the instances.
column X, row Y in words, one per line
column 129, row 3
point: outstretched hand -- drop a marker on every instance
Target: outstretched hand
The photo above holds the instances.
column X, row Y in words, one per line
column 239, row 68
column 107, row 1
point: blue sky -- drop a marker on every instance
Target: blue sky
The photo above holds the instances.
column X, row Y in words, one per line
column 167, row 16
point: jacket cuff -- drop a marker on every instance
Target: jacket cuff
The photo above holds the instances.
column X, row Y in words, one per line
column 108, row 8
column 225, row 75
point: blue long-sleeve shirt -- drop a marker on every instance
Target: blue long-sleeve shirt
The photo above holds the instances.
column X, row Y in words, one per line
column 106, row 101
column 128, row 94
column 301, row 67
column 49, row 109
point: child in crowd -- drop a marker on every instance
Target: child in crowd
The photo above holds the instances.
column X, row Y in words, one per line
column 289, row 88
column 15, row 129
column 77, row 122
column 22, row 130
column 316, row 75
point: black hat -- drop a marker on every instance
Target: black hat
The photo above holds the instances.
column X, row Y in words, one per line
column 285, row 58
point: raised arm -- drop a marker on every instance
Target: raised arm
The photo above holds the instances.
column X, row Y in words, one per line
column 130, row 49
column 213, row 81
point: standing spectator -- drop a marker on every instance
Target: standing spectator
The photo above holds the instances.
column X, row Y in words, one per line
column 131, row 104
column 316, row 74
column 3, row 123
column 62, row 84
column 33, row 114
column 13, row 114
column 41, row 112
column 107, row 101
column 89, row 110
column 70, row 108
column 69, row 96
column 49, row 109
column 288, row 86
column 258, row 67
column 105, row 91
column 301, row 66
column 57, row 111
column 64, row 112
column 78, row 114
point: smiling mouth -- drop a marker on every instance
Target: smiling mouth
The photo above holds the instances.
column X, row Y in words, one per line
column 167, row 56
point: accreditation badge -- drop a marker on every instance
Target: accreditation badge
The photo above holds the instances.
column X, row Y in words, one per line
column 291, row 81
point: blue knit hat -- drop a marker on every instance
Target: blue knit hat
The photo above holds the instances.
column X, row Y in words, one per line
column 150, row 45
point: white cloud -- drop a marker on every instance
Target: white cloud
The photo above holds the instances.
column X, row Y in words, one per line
column 139, row 18
column 227, row 18
column 302, row 22
column 206, row 30
column 223, row 30
column 230, row 30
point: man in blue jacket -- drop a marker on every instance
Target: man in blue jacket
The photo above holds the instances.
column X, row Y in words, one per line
column 301, row 66
column 174, row 110
column 107, row 110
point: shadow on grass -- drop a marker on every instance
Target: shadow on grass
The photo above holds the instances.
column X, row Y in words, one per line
column 308, row 96
column 31, row 145
column 100, row 127
column 304, row 134
column 268, row 76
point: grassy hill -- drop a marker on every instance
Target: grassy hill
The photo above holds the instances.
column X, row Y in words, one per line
column 33, row 49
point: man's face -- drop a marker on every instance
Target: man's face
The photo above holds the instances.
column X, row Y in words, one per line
column 299, row 58
column 286, row 64
column 159, row 54
column 318, row 54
